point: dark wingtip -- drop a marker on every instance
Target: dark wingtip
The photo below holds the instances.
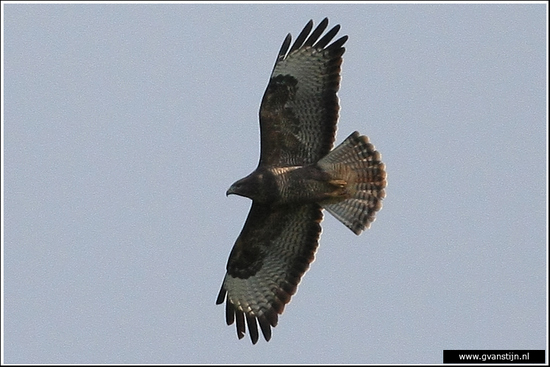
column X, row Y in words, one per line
column 302, row 36
column 265, row 325
column 314, row 36
column 252, row 328
column 240, row 324
column 229, row 313
column 285, row 46
column 338, row 44
column 327, row 37
column 221, row 296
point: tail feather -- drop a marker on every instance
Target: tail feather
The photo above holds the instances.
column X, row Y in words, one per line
column 357, row 162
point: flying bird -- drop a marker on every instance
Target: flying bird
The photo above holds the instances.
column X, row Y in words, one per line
column 299, row 175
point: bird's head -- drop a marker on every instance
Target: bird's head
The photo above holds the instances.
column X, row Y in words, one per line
column 247, row 187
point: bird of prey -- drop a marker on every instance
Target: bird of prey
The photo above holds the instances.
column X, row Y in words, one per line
column 299, row 175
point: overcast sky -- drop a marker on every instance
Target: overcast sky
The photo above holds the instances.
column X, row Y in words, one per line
column 124, row 125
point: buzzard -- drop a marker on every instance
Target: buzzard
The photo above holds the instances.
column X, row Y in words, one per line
column 297, row 177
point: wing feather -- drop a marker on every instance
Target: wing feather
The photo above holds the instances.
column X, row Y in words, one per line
column 316, row 33
column 269, row 258
column 229, row 310
column 240, row 324
column 302, row 36
column 329, row 36
column 336, row 46
column 299, row 109
column 284, row 47
column 265, row 325
column 252, row 327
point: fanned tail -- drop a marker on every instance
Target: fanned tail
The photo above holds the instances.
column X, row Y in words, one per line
column 356, row 165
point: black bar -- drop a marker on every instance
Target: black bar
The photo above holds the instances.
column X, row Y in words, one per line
column 494, row 356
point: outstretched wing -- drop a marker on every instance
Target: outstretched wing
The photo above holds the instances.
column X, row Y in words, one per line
column 299, row 109
column 271, row 254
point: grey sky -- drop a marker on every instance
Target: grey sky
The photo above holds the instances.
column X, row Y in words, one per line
column 125, row 124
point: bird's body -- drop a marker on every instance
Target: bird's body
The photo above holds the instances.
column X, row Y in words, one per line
column 297, row 177
column 286, row 185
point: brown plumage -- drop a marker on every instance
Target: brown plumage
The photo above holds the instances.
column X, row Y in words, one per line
column 297, row 177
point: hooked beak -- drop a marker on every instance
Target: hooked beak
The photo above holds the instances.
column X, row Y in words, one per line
column 236, row 188
column 231, row 191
